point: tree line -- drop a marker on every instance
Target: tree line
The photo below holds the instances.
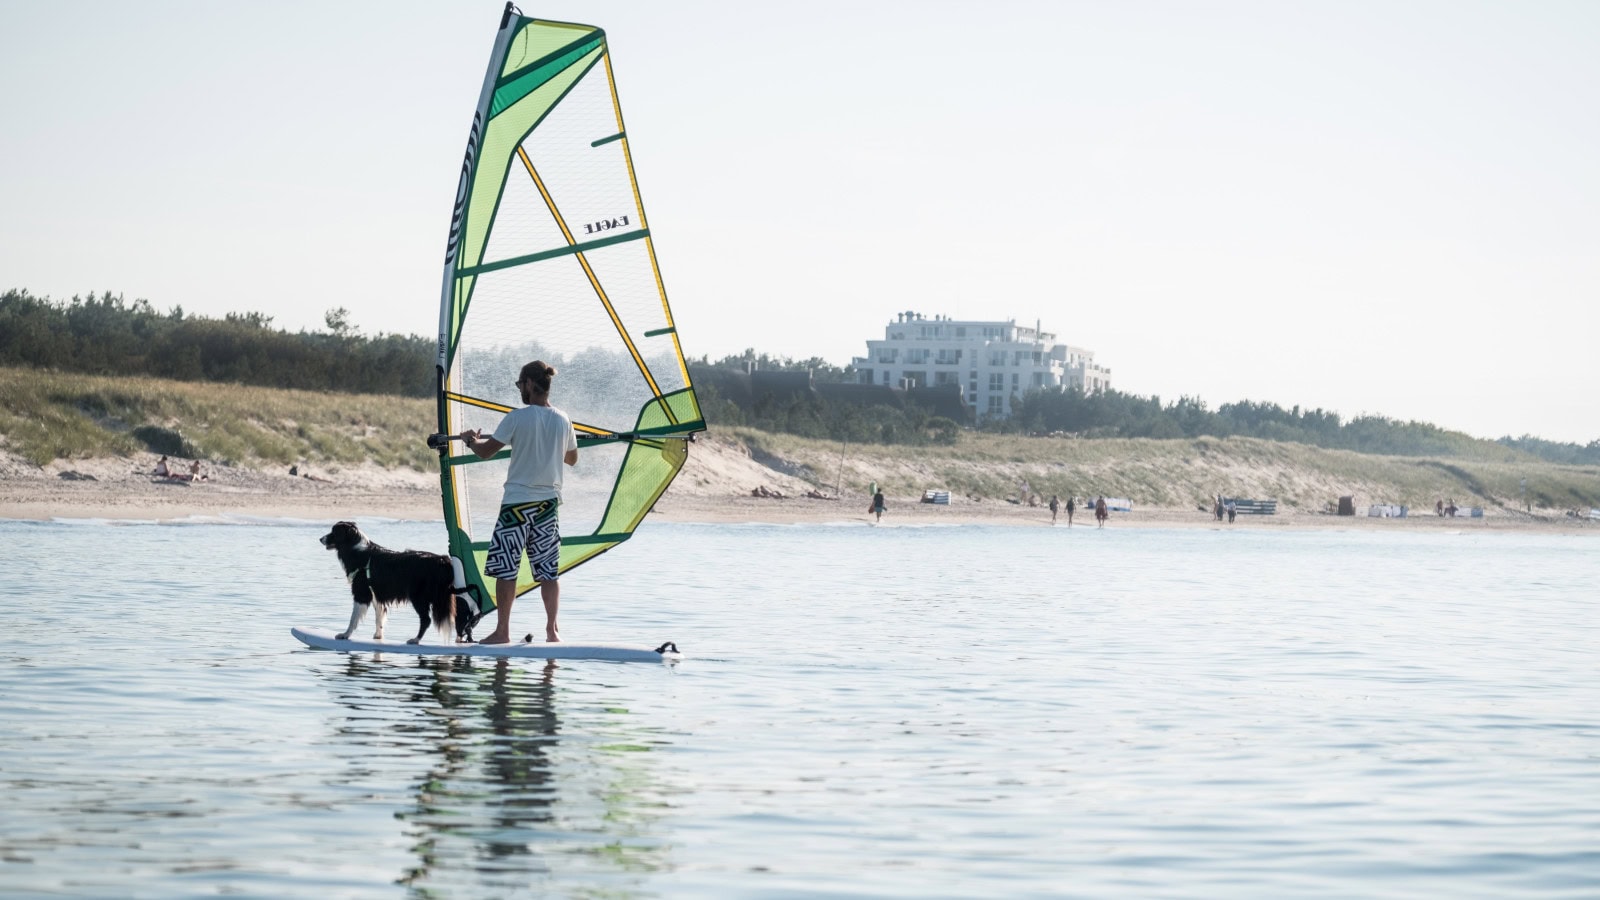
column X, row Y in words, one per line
column 1113, row 414
column 108, row 335
column 812, row 416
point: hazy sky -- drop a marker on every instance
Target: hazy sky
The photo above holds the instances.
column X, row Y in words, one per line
column 1372, row 207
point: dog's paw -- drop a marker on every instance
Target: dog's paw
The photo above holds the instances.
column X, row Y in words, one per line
column 414, row 641
column 342, row 636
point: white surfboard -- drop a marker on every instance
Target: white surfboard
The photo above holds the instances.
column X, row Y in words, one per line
column 322, row 639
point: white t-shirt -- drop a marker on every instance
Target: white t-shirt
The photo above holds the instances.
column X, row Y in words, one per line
column 539, row 437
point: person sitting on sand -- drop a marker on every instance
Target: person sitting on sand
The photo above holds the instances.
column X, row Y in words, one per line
column 162, row 470
column 194, row 472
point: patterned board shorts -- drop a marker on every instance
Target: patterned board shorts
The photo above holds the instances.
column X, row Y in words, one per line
column 533, row 525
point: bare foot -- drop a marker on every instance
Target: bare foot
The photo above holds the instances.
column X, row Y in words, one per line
column 496, row 638
column 551, row 636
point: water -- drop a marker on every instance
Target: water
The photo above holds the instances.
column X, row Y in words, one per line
column 906, row 712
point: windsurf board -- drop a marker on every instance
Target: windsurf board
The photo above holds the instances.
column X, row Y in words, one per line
column 323, row 639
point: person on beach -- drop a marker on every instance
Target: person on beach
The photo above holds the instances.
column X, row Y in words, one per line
column 162, row 469
column 1055, row 504
column 194, row 472
column 878, row 505
column 1100, row 513
column 541, row 439
column 1072, row 505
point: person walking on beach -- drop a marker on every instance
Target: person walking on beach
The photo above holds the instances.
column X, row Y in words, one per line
column 1055, row 504
column 541, row 439
column 1100, row 513
column 1072, row 504
column 878, row 505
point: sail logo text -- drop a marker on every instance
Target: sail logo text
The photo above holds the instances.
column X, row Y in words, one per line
column 605, row 225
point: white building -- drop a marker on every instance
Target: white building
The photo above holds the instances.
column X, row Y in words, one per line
column 996, row 361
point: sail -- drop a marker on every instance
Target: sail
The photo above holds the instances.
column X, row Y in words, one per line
column 550, row 258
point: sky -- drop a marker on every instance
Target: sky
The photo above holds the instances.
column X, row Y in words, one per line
column 1387, row 208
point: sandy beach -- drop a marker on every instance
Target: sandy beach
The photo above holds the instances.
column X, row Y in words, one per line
column 715, row 487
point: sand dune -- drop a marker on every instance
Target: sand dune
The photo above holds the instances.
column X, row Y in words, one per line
column 715, row 486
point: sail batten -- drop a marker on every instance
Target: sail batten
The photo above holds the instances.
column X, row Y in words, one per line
column 550, row 258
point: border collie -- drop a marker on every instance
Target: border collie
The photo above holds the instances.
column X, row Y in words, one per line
column 385, row 578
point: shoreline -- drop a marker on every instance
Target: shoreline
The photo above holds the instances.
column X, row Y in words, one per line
column 122, row 489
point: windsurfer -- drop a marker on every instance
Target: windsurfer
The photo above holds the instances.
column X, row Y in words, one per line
column 541, row 439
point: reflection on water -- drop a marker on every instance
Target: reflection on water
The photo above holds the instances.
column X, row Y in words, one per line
column 865, row 712
column 501, row 798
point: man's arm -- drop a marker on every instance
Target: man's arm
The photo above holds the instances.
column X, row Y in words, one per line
column 571, row 458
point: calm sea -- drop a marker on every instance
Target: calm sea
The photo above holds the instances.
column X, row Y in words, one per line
column 913, row 712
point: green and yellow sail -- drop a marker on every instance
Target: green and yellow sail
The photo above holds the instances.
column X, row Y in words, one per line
column 550, row 258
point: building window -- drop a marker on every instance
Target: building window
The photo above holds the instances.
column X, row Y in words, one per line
column 866, row 376
column 887, row 355
column 1016, row 380
column 997, row 357
column 886, row 377
column 916, row 379
column 945, row 378
column 994, row 405
column 948, row 358
column 997, row 381
column 961, row 331
column 916, row 356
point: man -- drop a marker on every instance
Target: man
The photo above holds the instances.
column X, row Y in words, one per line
column 541, row 439
column 1055, row 505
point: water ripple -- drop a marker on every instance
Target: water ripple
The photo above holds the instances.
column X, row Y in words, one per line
column 864, row 712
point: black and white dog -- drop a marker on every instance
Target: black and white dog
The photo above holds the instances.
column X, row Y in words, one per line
column 383, row 577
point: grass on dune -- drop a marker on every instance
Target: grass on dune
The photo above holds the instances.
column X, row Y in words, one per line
column 1181, row 472
column 56, row 415
column 51, row 415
